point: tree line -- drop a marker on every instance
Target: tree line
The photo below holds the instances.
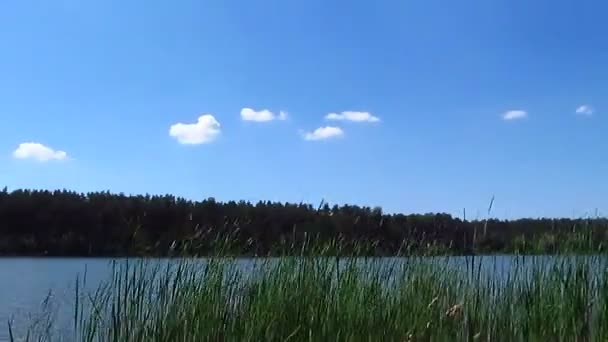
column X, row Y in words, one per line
column 67, row 223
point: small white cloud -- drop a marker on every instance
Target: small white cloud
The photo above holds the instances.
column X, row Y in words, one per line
column 39, row 152
column 515, row 115
column 585, row 110
column 352, row 116
column 205, row 130
column 264, row 115
column 323, row 133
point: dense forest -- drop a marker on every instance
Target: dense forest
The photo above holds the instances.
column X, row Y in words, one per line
column 64, row 223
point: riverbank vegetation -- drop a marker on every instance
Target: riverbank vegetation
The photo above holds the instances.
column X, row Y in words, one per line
column 64, row 223
column 335, row 299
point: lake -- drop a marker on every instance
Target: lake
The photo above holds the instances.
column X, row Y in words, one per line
column 27, row 283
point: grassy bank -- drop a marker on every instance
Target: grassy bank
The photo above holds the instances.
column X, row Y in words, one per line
column 323, row 299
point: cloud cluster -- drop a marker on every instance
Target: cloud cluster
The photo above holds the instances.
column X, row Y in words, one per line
column 324, row 133
column 329, row 132
column 352, row 116
column 38, row 152
column 517, row 114
column 264, row 115
column 585, row 110
column 204, row 131
column 514, row 115
column 207, row 129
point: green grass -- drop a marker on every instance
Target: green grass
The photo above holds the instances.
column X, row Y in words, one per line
column 314, row 299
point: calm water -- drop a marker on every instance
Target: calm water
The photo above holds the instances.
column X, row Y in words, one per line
column 26, row 283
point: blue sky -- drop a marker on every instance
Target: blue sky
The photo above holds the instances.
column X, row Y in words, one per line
column 105, row 82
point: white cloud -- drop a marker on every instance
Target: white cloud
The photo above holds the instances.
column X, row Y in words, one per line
column 515, row 115
column 585, row 110
column 264, row 115
column 323, row 133
column 39, row 152
column 352, row 116
column 205, row 130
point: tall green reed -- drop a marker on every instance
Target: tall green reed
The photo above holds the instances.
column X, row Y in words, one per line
column 346, row 299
